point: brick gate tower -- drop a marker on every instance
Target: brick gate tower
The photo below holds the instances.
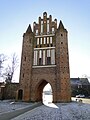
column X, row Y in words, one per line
column 45, row 59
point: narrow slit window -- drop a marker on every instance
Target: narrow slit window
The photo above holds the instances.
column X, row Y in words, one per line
column 40, row 61
column 47, row 40
column 53, row 56
column 48, row 60
column 35, row 57
column 37, row 41
column 40, row 54
column 51, row 40
column 61, row 34
column 53, row 30
column 25, row 58
column 23, row 75
column 48, row 53
column 36, row 32
column 40, row 40
column 43, row 57
column 40, row 57
column 47, row 26
column 41, row 26
column 44, row 40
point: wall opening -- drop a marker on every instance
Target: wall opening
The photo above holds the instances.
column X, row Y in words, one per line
column 43, row 92
column 20, row 94
column 47, row 95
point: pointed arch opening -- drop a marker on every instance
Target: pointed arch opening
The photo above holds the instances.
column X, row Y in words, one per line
column 44, row 92
column 47, row 96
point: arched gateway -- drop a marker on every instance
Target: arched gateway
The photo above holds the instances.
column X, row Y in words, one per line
column 45, row 60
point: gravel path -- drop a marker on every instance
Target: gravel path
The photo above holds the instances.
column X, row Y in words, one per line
column 60, row 111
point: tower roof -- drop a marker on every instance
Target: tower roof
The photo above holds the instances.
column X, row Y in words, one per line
column 29, row 30
column 61, row 26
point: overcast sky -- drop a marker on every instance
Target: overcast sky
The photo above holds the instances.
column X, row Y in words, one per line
column 16, row 15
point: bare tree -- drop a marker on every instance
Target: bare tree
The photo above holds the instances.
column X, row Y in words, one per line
column 2, row 60
column 9, row 71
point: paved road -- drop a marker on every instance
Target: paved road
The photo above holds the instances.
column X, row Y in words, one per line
column 12, row 114
column 60, row 111
column 51, row 111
